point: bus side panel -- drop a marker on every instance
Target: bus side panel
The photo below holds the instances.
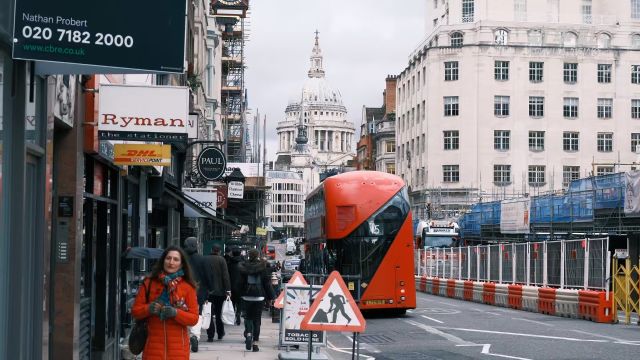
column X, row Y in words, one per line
column 396, row 266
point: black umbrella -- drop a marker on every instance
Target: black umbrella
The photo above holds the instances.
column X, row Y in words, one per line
column 143, row 253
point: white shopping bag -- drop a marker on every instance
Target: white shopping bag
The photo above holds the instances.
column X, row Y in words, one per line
column 228, row 314
column 205, row 318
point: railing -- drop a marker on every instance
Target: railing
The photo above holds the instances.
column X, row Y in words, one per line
column 577, row 264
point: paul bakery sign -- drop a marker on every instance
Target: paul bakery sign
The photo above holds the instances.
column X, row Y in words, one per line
column 211, row 163
column 111, row 33
column 143, row 113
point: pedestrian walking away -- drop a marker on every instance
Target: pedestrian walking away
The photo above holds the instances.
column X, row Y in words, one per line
column 203, row 276
column 171, row 307
column 236, row 281
column 220, row 289
column 257, row 289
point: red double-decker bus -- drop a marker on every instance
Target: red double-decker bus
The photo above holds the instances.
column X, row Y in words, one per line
column 359, row 223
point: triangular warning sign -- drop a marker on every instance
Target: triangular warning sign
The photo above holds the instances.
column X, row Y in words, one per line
column 334, row 309
column 296, row 279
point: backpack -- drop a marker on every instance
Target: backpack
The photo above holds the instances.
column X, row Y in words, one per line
column 254, row 285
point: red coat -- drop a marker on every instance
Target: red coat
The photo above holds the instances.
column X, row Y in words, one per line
column 169, row 339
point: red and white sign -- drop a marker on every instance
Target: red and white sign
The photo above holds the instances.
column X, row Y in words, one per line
column 143, row 113
column 296, row 279
column 334, row 309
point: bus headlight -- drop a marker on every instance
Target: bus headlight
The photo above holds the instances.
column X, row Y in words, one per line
column 402, row 298
column 391, row 301
column 401, row 291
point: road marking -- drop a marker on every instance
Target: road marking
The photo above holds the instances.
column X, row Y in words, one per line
column 616, row 340
column 332, row 347
column 532, row 321
column 486, row 350
column 432, row 319
column 492, row 313
column 364, row 346
column 524, row 335
column 454, row 339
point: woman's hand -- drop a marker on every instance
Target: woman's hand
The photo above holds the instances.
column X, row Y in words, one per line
column 168, row 312
column 155, row 308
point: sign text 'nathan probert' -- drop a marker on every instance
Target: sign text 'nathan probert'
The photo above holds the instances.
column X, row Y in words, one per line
column 143, row 113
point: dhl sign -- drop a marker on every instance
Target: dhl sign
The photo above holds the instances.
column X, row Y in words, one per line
column 142, row 155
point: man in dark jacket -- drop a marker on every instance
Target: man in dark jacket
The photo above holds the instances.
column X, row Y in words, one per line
column 220, row 289
column 203, row 275
column 257, row 289
column 236, row 280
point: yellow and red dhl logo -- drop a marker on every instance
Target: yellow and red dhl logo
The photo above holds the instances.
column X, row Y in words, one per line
column 141, row 155
column 150, row 153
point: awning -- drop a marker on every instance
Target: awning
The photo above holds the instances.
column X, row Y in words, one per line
column 180, row 196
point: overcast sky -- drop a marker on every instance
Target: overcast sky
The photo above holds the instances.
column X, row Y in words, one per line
column 362, row 41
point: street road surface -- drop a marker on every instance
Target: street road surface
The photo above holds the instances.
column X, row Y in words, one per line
column 443, row 328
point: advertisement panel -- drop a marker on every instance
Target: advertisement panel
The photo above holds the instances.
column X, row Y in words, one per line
column 112, row 33
column 515, row 216
column 205, row 198
column 142, row 155
column 247, row 169
column 632, row 193
column 297, row 302
column 143, row 113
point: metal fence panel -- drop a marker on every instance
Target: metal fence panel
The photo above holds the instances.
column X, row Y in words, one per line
column 446, row 256
column 598, row 263
column 494, row 264
column 474, row 258
column 507, row 263
column 574, row 263
column 521, row 263
column 482, row 254
column 536, row 263
column 464, row 257
column 554, row 249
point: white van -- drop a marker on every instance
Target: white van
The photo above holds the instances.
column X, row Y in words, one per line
column 291, row 247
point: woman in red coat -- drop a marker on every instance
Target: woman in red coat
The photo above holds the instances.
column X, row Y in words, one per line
column 172, row 306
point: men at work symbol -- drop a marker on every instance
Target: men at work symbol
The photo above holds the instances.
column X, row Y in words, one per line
column 337, row 304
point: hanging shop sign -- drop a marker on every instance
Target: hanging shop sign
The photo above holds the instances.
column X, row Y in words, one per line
column 192, row 126
column 142, row 155
column 247, row 169
column 104, row 33
column 211, row 163
column 205, row 198
column 143, row 113
column 222, row 196
column 236, row 190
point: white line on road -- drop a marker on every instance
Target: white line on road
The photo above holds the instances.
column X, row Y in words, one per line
column 332, row 347
column 533, row 321
column 616, row 340
column 432, row 319
column 454, row 339
column 524, row 335
column 367, row 347
column 486, row 350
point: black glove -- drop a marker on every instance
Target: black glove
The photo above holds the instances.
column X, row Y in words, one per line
column 168, row 312
column 154, row 308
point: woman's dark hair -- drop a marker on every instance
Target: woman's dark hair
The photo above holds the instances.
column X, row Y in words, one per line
column 253, row 254
column 186, row 268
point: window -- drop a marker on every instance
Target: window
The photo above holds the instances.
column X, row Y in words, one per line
column 520, row 10
column 570, row 73
column 536, row 175
column 391, row 168
column 418, row 84
column 536, row 140
column 635, row 41
column 500, row 37
column 605, row 142
column 635, row 74
column 450, row 173
column 450, row 71
column 501, row 70
column 571, row 141
column 570, row 108
column 536, row 71
column 536, row 106
column 501, row 106
column 569, row 39
column 604, row 41
column 604, row 170
column 586, row 12
column 635, row 142
column 467, row 11
column 502, row 174
column 635, row 108
column 570, row 173
column 390, row 146
column 604, row 73
column 451, row 106
column 456, row 39
column 605, row 108
column 635, row 9
column 451, row 139
column 501, row 139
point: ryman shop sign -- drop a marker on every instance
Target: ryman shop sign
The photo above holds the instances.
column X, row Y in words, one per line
column 211, row 163
column 143, row 113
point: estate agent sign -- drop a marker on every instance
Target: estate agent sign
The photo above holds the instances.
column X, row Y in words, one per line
column 143, row 113
column 111, row 33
